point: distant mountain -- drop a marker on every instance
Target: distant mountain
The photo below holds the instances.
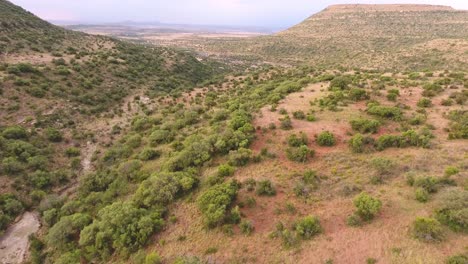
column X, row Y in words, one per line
column 376, row 36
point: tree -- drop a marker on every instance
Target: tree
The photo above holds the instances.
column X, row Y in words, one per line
column 326, row 138
column 214, row 202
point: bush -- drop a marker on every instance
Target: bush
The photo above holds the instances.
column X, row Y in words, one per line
column 356, row 94
column 365, row 125
column 15, row 132
column 300, row 154
column 240, row 157
column 215, row 201
column 225, row 170
column 149, row 154
column 326, row 138
column 424, row 102
column 367, row 206
column 427, row 183
column 356, row 143
column 451, row 170
column 297, row 141
column 458, row 259
column 388, row 112
column 383, row 165
column 73, row 152
column 246, row 227
column 62, row 233
column 53, row 135
column 266, row 188
column 354, row 220
column 299, row 115
column 452, row 210
column 340, row 83
column 120, row 227
column 427, row 229
column 422, row 195
column 285, row 123
column 308, row 227
column 161, row 136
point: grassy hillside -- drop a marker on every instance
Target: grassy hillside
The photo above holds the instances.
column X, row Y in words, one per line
column 54, row 83
column 390, row 37
column 142, row 154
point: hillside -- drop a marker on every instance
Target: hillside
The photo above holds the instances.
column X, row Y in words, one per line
column 113, row 152
column 59, row 92
column 392, row 37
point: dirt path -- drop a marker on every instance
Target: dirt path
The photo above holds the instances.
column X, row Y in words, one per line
column 14, row 243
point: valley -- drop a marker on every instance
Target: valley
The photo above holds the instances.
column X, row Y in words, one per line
column 339, row 140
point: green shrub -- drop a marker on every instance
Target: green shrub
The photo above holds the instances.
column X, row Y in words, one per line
column 458, row 259
column 388, row 112
column 365, row 125
column 12, row 166
column 356, row 143
column 326, row 138
column 225, row 170
column 340, row 83
column 452, row 210
column 383, row 165
column 311, row 118
column 120, row 227
column 299, row 115
column 367, row 206
column 451, row 170
column 285, row 123
column 15, row 132
column 246, row 227
column 149, row 154
column 297, row 141
column 422, row 195
column 300, row 154
column 427, row 229
column 356, row 94
column 215, row 201
column 424, row 102
column 308, row 227
column 240, row 157
column 53, row 135
column 354, row 220
column 62, row 233
column 427, row 183
column 266, row 188
column 161, row 136
column 73, row 152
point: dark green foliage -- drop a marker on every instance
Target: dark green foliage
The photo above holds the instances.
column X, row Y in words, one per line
column 299, row 115
column 286, row 123
column 427, row 229
column 359, row 143
column 459, row 124
column 240, row 157
column 265, row 188
column 66, row 230
column 215, row 202
column 365, row 125
column 422, row 195
column 356, row 94
column 225, row 170
column 120, row 227
column 409, row 138
column 246, row 227
column 161, row 188
column 458, row 259
column 297, row 141
column 300, row 154
column 54, row 135
column 308, row 227
column 73, row 152
column 149, row 154
column 15, row 132
column 326, row 138
column 387, row 112
column 424, row 102
column 367, row 206
column 340, row 83
column 452, row 210
column 10, row 207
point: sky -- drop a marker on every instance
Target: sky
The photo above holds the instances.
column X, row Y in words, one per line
column 272, row 14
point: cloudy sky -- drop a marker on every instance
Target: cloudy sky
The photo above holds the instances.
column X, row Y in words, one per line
column 262, row 13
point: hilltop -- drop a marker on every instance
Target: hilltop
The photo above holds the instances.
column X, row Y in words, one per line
column 392, row 37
